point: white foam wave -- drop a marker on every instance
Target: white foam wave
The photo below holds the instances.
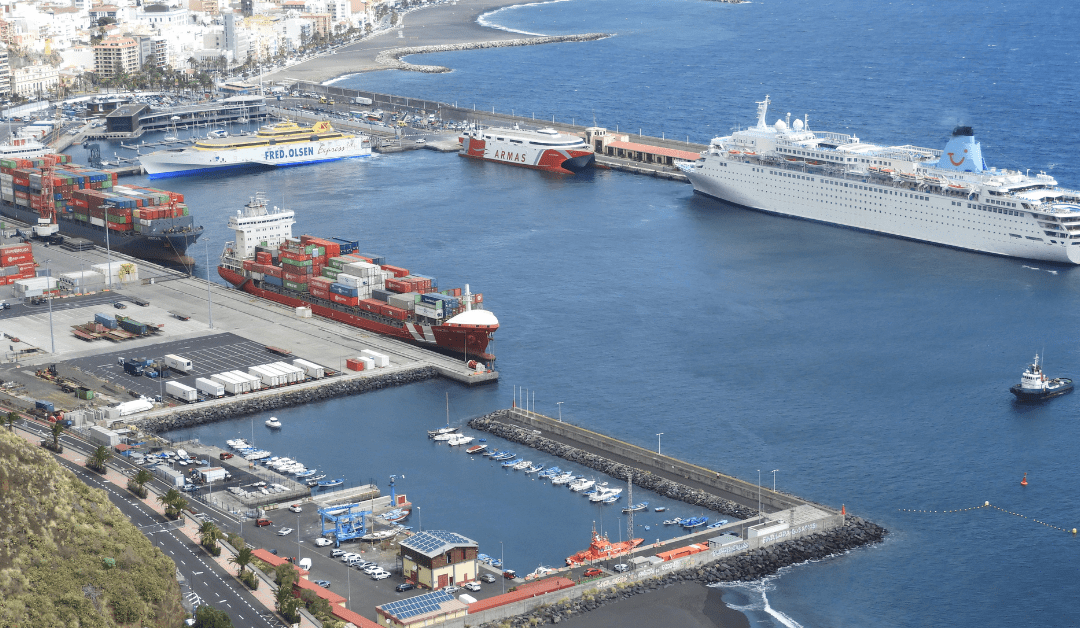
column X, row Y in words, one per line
column 780, row 617
column 340, row 78
column 485, row 18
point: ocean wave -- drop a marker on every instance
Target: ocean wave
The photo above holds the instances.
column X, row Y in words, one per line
column 485, row 18
column 759, row 611
column 340, row 78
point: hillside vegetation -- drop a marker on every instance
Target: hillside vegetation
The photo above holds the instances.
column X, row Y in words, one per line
column 57, row 537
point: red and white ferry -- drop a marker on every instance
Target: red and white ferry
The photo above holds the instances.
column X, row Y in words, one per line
column 543, row 149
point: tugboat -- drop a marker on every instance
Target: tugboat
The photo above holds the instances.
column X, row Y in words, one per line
column 602, row 548
column 1034, row 386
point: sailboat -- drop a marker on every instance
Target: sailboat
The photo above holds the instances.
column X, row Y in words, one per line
column 172, row 135
column 443, row 431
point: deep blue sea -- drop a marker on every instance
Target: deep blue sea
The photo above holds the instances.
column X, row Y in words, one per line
column 867, row 371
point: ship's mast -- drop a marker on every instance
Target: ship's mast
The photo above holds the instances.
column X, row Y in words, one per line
column 763, row 107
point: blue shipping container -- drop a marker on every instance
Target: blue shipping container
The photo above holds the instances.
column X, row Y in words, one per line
column 381, row 295
column 105, row 320
column 376, row 259
column 343, row 290
column 348, row 246
column 272, row 280
column 44, row 405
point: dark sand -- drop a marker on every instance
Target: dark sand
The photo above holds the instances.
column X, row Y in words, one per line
column 687, row 605
column 441, row 24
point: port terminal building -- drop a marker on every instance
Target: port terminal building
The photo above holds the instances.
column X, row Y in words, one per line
column 437, row 558
column 618, row 145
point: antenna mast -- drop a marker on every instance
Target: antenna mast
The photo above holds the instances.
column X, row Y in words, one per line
column 630, row 503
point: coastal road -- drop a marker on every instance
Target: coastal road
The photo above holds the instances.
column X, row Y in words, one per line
column 209, row 582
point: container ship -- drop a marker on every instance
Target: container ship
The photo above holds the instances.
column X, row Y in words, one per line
column 947, row 197
column 274, row 145
column 58, row 197
column 543, row 149
column 357, row 289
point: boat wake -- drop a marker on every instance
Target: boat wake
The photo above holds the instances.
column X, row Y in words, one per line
column 755, row 606
column 485, row 18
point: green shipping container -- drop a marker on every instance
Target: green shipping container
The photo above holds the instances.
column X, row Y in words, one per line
column 118, row 219
column 291, row 262
column 330, row 273
column 82, row 217
column 298, row 287
column 339, row 262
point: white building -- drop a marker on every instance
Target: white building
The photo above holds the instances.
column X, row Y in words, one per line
column 162, row 16
column 34, row 80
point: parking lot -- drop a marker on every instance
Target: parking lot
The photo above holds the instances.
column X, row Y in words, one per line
column 208, row 354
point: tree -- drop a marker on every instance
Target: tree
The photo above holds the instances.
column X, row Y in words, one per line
column 241, row 559
column 56, row 428
column 98, row 459
column 11, row 418
column 287, row 603
column 173, row 502
column 142, row 477
column 210, row 617
column 209, row 534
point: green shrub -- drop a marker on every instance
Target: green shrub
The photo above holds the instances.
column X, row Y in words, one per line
column 250, row 579
column 236, row 541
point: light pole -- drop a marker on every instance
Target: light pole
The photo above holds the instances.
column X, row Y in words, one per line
column 658, row 442
column 502, row 562
column 209, row 305
column 559, row 403
column 774, row 479
column 759, row 491
column 420, row 517
column 48, row 277
column 297, row 539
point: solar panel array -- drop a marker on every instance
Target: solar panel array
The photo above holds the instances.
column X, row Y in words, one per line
column 404, row 609
column 432, row 541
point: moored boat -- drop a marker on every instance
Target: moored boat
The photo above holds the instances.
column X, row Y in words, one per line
column 1035, row 386
column 475, row 449
column 330, row 483
column 601, row 549
column 273, row 423
column 637, row 507
column 542, row 149
column 694, row 522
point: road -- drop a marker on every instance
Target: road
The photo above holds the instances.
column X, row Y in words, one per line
column 206, row 581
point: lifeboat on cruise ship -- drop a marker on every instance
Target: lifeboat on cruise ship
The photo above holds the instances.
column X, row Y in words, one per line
column 792, row 158
column 749, row 152
column 734, row 152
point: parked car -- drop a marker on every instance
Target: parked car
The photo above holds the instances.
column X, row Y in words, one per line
column 120, row 306
column 472, row 586
column 509, row 574
column 404, row 586
column 371, row 568
column 284, row 531
column 322, row 542
column 323, row 583
column 592, row 572
column 380, row 575
column 263, row 522
column 295, row 508
column 622, row 567
column 450, row 588
column 337, row 553
column 487, row 578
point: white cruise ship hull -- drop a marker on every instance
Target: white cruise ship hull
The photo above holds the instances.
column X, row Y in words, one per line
column 189, row 161
column 911, row 214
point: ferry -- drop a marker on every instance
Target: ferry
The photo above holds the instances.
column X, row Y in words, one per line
column 282, row 144
column 542, row 149
column 23, row 148
column 1034, row 385
column 947, row 197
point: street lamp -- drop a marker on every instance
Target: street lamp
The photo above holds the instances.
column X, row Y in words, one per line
column 48, row 276
column 658, row 442
column 297, row 539
column 559, row 403
column 420, row 518
column 502, row 561
column 774, row 479
column 759, row 491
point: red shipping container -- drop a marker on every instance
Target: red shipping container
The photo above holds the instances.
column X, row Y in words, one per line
column 395, row 313
column 319, row 292
column 11, row 259
column 396, row 270
column 297, row 277
column 393, row 285
column 263, row 257
column 121, row 226
column 322, row 282
column 273, row 271
column 372, row 305
column 296, row 257
column 25, row 274
column 354, row 365
column 344, row 300
column 16, row 248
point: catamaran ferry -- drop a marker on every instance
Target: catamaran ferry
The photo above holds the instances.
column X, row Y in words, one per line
column 946, row 197
column 274, row 145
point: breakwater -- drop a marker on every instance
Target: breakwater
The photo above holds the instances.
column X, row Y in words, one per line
column 494, row 423
column 392, row 58
column 208, row 412
column 753, row 565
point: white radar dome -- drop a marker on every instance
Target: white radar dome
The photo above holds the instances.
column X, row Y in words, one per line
column 797, row 124
column 780, row 126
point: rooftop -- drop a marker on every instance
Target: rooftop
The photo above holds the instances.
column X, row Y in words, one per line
column 656, row 150
column 431, row 543
column 433, row 603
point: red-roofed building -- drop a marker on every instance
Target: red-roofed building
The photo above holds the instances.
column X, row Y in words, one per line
column 345, row 614
column 523, row 592
column 274, row 561
column 619, row 145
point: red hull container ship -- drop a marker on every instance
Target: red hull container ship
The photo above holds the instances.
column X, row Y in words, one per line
column 543, row 149
column 357, row 289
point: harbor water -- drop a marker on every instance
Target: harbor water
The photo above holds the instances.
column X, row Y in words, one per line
column 866, row 370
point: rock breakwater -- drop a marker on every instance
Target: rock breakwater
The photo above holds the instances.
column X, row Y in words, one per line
column 491, row 423
column 754, row 565
column 392, row 58
column 189, row 416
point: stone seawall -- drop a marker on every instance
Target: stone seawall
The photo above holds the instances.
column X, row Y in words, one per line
column 668, row 488
column 199, row 414
column 753, row 565
column 392, row 58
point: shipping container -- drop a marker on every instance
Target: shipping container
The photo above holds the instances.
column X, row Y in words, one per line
column 376, row 259
column 294, row 373
column 406, row 301
column 381, row 295
column 269, row 377
column 178, row 363
column 368, row 363
column 381, row 360
column 181, row 391
column 209, row 387
column 311, row 369
column 354, row 364
column 106, row 320
column 254, row 381
column 344, row 290
column 231, row 384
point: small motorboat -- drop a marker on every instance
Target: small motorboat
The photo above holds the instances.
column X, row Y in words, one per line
column 459, row 439
column 1034, row 386
column 565, row 478
column 510, row 463
column 379, row 536
column 717, row 524
column 525, row 464
column 444, row 437
column 581, row 485
column 660, row 509
column 535, row 468
column 217, row 134
column 441, row 431
column 550, row 472
column 694, row 522
column 637, row 507
column 307, row 473
column 506, row 455
column 612, row 498
column 476, row 449
column 672, row 522
column 330, row 483
column 492, row 453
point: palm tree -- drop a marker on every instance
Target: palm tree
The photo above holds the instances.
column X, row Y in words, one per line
column 100, row 456
column 11, row 418
column 169, row 501
column 242, row 559
column 142, row 477
column 56, row 428
column 209, row 534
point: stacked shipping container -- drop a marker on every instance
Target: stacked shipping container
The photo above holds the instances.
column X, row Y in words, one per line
column 16, row 262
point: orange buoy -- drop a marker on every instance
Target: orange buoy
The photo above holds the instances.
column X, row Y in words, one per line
column 1024, row 481
column 843, row 510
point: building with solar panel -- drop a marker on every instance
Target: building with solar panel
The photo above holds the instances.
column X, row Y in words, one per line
column 422, row 610
column 437, row 558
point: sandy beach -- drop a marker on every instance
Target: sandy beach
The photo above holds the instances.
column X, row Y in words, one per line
column 437, row 25
column 688, row 605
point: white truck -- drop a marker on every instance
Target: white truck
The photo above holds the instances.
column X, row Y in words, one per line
column 232, row 384
column 360, row 100
column 181, row 391
column 209, row 387
column 178, row 363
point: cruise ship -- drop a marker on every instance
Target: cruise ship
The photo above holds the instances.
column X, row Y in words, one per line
column 542, row 149
column 947, row 197
column 274, row 145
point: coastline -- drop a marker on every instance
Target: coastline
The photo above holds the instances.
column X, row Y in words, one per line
column 687, row 605
column 439, row 25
